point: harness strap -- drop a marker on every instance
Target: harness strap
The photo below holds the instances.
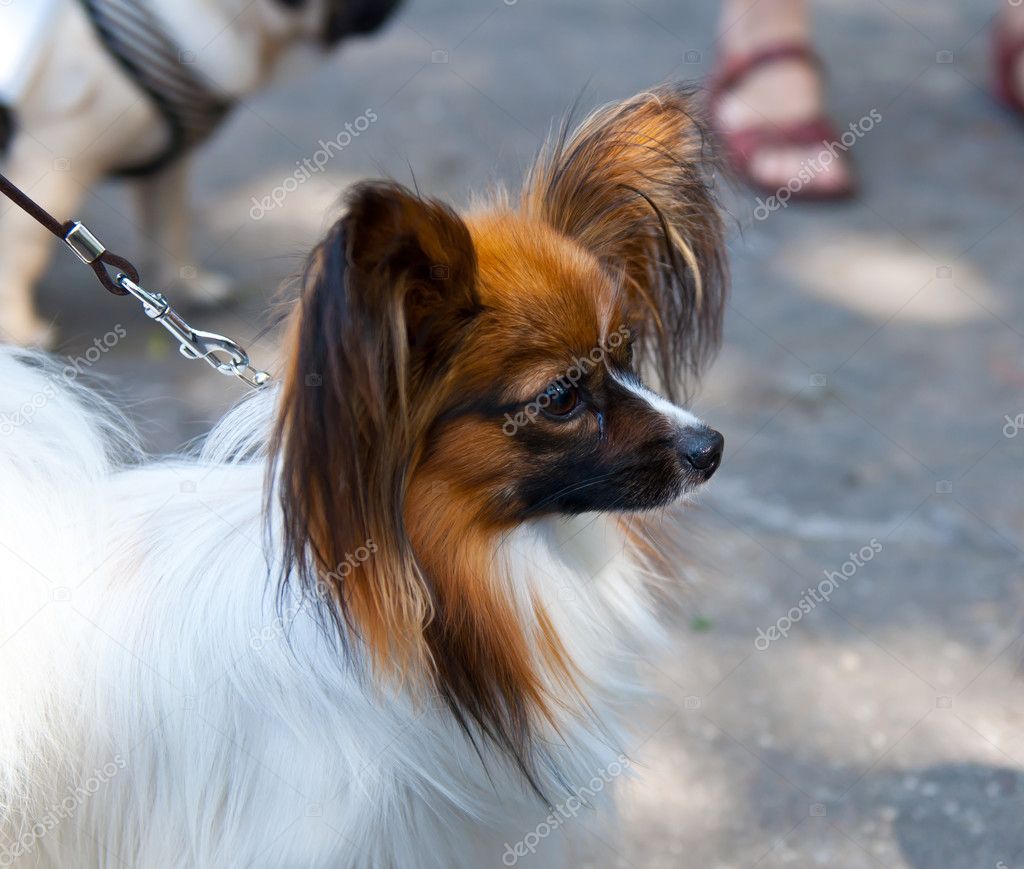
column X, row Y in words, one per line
column 137, row 39
column 6, row 128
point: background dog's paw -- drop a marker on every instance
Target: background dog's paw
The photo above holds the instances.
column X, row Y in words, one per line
column 28, row 332
column 200, row 287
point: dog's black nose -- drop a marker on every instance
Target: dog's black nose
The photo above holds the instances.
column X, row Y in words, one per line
column 702, row 449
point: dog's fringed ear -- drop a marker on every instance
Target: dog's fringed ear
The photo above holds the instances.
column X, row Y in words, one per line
column 384, row 301
column 631, row 184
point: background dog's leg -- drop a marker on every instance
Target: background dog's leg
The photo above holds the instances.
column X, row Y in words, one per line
column 163, row 209
column 25, row 247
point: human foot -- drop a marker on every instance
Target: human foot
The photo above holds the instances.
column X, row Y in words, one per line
column 767, row 106
column 1008, row 57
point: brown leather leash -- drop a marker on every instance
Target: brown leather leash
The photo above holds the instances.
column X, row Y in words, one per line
column 76, row 236
column 120, row 277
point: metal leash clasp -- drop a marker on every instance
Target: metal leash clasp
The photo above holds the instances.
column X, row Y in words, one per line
column 219, row 352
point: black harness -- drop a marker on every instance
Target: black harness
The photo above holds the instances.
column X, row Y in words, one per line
column 6, row 128
column 188, row 103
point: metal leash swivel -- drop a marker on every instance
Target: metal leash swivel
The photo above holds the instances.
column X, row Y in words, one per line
column 220, row 352
column 223, row 354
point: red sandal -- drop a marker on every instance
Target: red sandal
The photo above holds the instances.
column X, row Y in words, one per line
column 1007, row 50
column 741, row 145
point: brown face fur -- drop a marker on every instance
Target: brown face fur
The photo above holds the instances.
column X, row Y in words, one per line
column 549, row 314
column 545, row 303
column 452, row 378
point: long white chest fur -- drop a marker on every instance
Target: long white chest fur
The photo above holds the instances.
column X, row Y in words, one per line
column 164, row 708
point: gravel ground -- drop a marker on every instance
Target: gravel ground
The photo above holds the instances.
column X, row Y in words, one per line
column 873, row 354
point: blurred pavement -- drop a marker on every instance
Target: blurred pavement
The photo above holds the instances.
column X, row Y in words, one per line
column 873, row 352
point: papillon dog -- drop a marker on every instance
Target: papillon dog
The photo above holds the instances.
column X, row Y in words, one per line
column 391, row 613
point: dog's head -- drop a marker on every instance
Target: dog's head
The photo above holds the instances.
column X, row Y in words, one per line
column 454, row 377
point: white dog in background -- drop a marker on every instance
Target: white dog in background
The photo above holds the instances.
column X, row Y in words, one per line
column 90, row 88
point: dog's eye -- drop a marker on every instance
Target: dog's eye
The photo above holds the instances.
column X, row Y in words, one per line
column 560, row 399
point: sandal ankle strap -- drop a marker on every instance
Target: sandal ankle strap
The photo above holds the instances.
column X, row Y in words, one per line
column 733, row 70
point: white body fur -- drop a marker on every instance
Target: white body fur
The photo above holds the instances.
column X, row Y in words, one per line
column 139, row 669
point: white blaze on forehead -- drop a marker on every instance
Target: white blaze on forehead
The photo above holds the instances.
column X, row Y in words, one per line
column 663, row 406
